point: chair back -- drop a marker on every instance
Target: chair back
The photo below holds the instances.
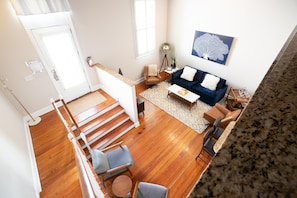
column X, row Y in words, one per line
column 208, row 134
column 149, row 190
column 217, row 122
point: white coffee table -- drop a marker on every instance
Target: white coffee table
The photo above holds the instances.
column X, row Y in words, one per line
column 183, row 94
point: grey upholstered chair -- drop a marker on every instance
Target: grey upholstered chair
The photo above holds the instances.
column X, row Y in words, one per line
column 110, row 161
column 208, row 144
column 149, row 190
column 217, row 130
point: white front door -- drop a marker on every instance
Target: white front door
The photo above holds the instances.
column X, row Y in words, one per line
column 62, row 61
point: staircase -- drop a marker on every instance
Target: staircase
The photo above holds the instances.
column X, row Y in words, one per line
column 102, row 124
column 104, row 127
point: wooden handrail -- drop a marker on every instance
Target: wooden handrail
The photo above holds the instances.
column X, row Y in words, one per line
column 70, row 115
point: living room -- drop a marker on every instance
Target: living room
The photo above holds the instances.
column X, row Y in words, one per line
column 266, row 24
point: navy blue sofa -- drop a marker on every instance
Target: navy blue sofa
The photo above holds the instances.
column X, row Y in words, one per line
column 206, row 95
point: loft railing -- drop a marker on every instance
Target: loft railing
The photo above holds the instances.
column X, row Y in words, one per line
column 90, row 184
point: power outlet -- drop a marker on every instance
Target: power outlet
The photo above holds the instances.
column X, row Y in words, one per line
column 29, row 78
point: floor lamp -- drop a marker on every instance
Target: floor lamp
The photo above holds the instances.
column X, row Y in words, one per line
column 32, row 121
column 165, row 49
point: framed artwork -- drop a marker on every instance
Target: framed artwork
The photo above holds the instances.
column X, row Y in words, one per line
column 212, row 47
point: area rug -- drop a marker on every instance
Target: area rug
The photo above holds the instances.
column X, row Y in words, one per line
column 86, row 102
column 193, row 118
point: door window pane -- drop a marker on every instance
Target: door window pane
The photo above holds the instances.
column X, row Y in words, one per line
column 63, row 55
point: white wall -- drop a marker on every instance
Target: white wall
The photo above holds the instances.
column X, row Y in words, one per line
column 105, row 30
column 259, row 28
column 16, row 48
column 16, row 170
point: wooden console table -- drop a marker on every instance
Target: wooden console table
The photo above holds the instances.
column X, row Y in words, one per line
column 140, row 105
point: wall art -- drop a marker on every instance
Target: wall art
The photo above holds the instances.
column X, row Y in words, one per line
column 212, row 47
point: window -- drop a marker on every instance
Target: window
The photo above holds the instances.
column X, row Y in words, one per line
column 145, row 25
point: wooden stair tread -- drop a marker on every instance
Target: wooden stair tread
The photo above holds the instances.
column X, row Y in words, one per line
column 106, row 126
column 108, row 138
column 100, row 119
column 90, row 112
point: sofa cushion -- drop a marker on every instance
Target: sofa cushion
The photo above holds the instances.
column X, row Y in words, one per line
column 199, row 76
column 185, row 83
column 188, row 73
column 210, row 82
column 202, row 90
column 221, row 83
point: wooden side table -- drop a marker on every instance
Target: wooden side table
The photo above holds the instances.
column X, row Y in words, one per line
column 121, row 186
column 235, row 101
column 168, row 73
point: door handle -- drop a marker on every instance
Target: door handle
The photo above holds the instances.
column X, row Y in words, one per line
column 55, row 75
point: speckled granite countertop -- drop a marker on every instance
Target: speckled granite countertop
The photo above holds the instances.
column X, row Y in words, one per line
column 259, row 158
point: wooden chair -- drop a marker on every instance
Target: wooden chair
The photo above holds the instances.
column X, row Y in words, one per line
column 217, row 130
column 219, row 110
column 151, row 75
column 208, row 144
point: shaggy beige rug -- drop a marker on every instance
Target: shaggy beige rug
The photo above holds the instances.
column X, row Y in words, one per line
column 192, row 118
column 86, row 102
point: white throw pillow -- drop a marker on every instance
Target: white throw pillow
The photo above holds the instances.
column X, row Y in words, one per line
column 188, row 73
column 210, row 82
column 152, row 70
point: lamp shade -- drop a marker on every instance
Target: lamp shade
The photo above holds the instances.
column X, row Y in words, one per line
column 166, row 48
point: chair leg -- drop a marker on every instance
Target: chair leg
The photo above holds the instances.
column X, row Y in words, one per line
column 130, row 172
column 198, row 156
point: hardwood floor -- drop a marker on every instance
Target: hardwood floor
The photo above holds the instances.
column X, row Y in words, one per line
column 163, row 149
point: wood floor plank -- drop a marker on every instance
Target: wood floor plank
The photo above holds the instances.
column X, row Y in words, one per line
column 163, row 149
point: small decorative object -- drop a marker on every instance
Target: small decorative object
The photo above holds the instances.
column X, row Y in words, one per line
column 90, row 61
column 120, row 71
column 211, row 46
column 173, row 64
column 243, row 93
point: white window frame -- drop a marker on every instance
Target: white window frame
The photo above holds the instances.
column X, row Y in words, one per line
column 145, row 30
